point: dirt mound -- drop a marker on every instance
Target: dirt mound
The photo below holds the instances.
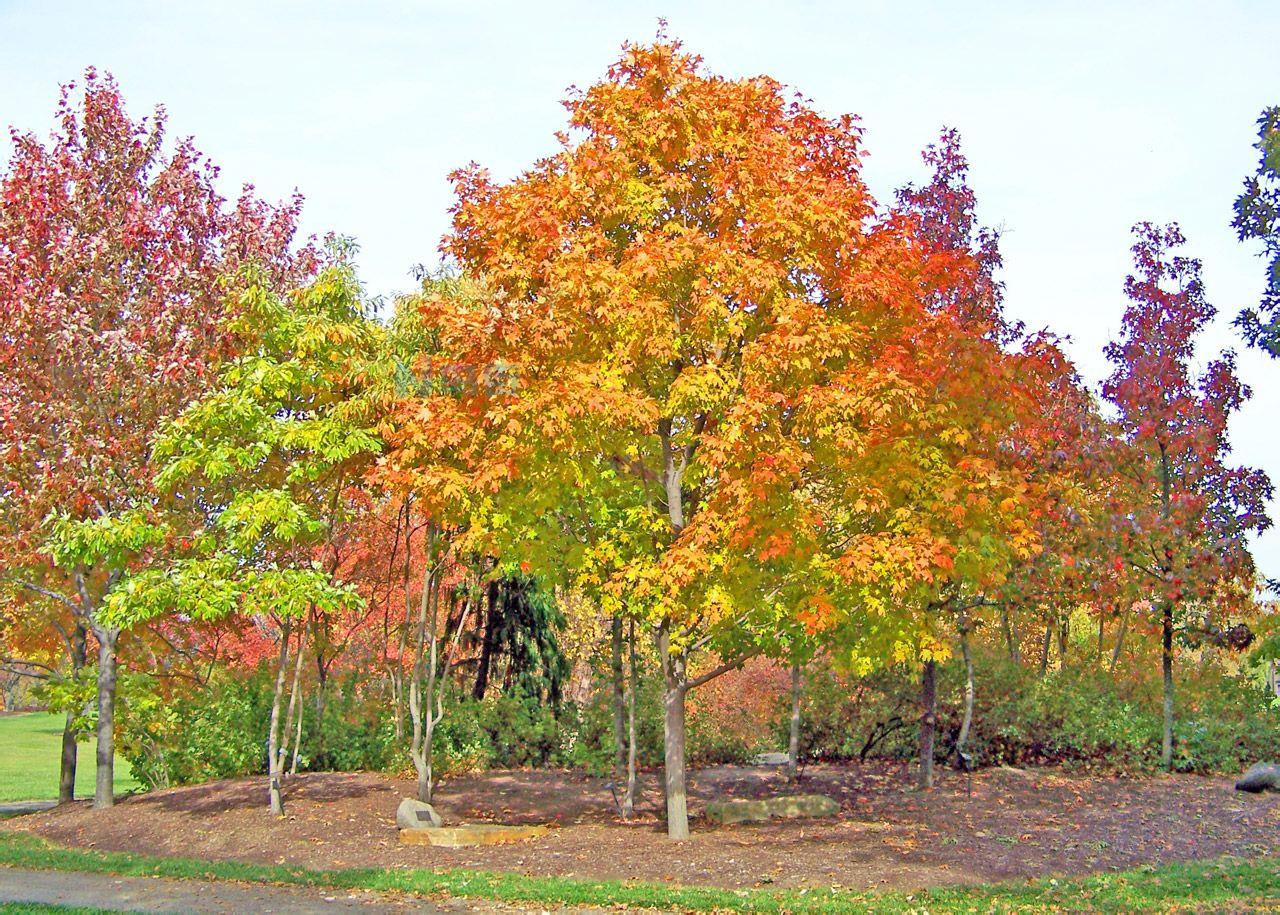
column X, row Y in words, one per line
column 1016, row 824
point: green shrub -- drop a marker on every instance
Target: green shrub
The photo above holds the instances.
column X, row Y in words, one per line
column 195, row 735
column 591, row 745
column 1081, row 716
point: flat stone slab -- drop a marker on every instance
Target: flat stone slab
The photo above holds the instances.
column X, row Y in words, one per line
column 468, row 836
column 787, row 807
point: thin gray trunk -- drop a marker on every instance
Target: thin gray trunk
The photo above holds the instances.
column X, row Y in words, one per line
column 1044, row 648
column 1011, row 643
column 673, row 665
column 1124, row 627
column 397, row 682
column 293, row 708
column 633, row 686
column 619, row 700
column 104, row 790
column 297, row 747
column 422, row 709
column 928, row 721
column 673, row 733
column 967, row 722
column 793, row 745
column 275, row 796
column 107, row 636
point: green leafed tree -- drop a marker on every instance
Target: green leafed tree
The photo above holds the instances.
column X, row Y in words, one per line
column 259, row 475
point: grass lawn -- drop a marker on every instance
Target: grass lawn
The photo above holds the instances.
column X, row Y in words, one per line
column 30, row 750
column 1226, row 885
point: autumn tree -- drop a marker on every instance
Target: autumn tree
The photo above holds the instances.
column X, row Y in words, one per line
column 960, row 497
column 1257, row 218
column 114, row 247
column 261, row 468
column 1182, row 511
column 657, row 293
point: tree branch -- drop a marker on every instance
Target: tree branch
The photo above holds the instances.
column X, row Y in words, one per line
column 717, row 671
column 53, row 595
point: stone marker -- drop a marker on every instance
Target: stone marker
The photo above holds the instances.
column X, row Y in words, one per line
column 788, row 807
column 1262, row 777
column 413, row 814
column 467, row 836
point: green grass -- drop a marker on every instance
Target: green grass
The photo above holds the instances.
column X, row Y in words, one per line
column 1228, row 884
column 30, row 751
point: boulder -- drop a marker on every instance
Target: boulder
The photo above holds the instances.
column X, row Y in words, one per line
column 726, row 812
column 413, row 814
column 1262, row 777
column 803, row 805
column 467, row 836
column 771, row 759
column 787, row 807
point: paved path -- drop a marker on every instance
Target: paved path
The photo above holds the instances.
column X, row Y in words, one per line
column 18, row 808
column 155, row 894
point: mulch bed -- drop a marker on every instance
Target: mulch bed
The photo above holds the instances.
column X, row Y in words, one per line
column 1016, row 824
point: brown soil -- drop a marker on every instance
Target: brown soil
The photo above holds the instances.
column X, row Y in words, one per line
column 1016, row 824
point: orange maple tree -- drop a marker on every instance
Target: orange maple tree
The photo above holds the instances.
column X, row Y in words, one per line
column 693, row 365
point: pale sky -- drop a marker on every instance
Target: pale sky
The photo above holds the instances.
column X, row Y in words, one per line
column 1079, row 119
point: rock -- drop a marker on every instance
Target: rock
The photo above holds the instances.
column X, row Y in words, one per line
column 1262, row 777
column 413, row 814
column 803, row 805
column 726, row 812
column 467, row 836
column 771, row 759
column 787, row 807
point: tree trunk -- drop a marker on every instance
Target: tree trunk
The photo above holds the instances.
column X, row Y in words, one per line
column 966, row 723
column 104, row 791
column 322, row 679
column 1044, row 648
column 1011, row 643
column 619, row 701
column 67, row 768
column 928, row 721
column 629, row 798
column 397, row 675
column 297, row 747
column 1124, row 626
column 1166, row 623
column 70, row 747
column 293, row 708
column 274, row 795
column 1064, row 633
column 397, row 702
column 486, row 647
column 673, row 696
column 426, row 777
column 1166, row 667
column 1102, row 634
column 422, row 708
column 793, row 745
